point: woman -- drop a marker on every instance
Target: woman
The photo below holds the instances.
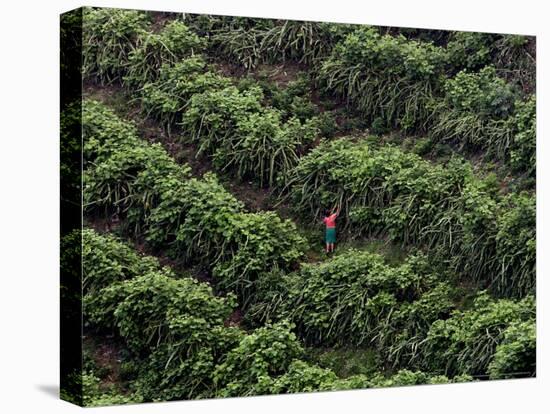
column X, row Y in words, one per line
column 330, row 230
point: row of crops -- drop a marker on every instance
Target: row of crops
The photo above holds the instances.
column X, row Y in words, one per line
column 179, row 342
column 460, row 218
column 476, row 89
column 407, row 312
column 489, row 238
column 424, row 317
column 452, row 93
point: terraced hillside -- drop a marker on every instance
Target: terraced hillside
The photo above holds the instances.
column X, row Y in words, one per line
column 211, row 148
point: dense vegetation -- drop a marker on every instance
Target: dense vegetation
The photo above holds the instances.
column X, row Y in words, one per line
column 179, row 344
column 459, row 217
column 247, row 305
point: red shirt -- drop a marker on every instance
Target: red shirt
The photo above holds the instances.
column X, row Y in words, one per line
column 330, row 221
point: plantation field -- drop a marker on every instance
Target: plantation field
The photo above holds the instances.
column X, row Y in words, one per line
column 212, row 146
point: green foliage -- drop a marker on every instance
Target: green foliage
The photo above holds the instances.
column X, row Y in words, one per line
column 446, row 208
column 466, row 342
column 192, row 219
column 386, row 77
column 480, row 92
column 128, row 177
column 243, row 136
column 185, row 370
column 129, row 181
column 94, row 395
column 212, row 116
column 252, row 367
column 263, row 147
column 109, row 36
column 103, row 132
column 326, row 122
column 166, row 98
column 478, row 112
column 106, row 260
column 469, row 50
column 256, row 243
column 356, row 299
column 406, row 378
column 174, row 42
column 523, row 155
column 515, row 356
column 402, row 378
column 293, row 100
column 304, row 377
column 251, row 42
column 174, row 326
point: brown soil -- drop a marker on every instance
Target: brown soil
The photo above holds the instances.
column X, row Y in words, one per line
column 160, row 19
column 235, row 318
column 280, row 74
column 105, row 352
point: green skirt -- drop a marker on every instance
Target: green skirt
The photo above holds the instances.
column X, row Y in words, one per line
column 330, row 235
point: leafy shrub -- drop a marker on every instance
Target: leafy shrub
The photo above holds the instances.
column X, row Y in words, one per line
column 108, row 38
column 402, row 378
column 466, row 342
column 103, row 132
column 355, row 298
column 446, row 208
column 263, row 147
column 293, row 100
column 238, row 39
column 304, row 377
column 482, row 92
column 185, row 370
column 256, row 243
column 475, row 111
column 523, row 155
column 174, row 326
column 516, row 355
column 126, row 181
column 106, row 260
column 365, row 181
column 212, row 116
column 245, row 137
column 386, row 77
column 193, row 219
column 252, row 366
column 403, row 332
column 326, row 122
column 129, row 176
column 469, row 50
column 94, row 395
column 303, row 42
column 166, row 98
column 174, row 42
column 254, row 41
